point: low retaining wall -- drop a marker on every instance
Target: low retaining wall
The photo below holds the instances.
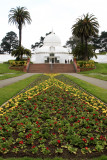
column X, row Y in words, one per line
column 18, row 68
column 86, row 69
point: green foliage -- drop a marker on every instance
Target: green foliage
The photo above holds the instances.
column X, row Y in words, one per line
column 9, row 42
column 20, row 51
column 9, row 91
column 96, row 91
column 17, row 63
column 19, row 16
column 79, row 51
column 84, row 28
column 86, row 64
column 103, row 42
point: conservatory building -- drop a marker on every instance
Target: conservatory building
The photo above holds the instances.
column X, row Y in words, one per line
column 52, row 51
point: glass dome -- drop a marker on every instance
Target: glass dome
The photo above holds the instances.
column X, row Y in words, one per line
column 52, row 40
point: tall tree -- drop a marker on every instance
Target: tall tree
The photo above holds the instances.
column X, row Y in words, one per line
column 9, row 42
column 72, row 42
column 90, row 28
column 103, row 41
column 84, row 28
column 77, row 29
column 19, row 17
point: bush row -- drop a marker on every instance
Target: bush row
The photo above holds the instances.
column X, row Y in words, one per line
column 86, row 64
column 17, row 63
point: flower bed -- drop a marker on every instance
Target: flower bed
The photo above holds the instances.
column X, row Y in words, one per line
column 86, row 65
column 53, row 119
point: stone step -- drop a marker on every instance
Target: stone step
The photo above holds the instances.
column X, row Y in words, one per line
column 51, row 68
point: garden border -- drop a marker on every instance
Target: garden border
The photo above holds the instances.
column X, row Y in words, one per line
column 32, row 84
column 78, row 87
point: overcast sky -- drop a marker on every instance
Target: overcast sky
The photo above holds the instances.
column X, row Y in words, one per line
column 46, row 15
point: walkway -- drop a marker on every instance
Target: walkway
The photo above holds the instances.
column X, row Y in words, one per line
column 94, row 81
column 9, row 81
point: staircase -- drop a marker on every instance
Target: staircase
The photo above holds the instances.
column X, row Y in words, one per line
column 51, row 68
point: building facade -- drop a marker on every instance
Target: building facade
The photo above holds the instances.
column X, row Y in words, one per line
column 52, row 51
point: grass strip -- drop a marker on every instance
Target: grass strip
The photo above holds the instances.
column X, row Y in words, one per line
column 103, row 157
column 97, row 76
column 6, row 76
column 4, row 68
column 6, row 73
column 100, row 72
column 100, row 68
column 96, row 91
column 9, row 91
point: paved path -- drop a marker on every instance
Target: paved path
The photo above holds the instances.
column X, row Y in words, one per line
column 9, row 81
column 96, row 82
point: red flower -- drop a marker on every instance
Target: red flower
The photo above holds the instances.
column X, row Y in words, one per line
column 3, row 139
column 28, row 135
column 58, row 141
column 37, row 131
column 87, row 127
column 37, row 122
column 15, row 147
column 86, row 148
column 21, row 142
column 84, row 140
column 0, row 127
column 47, row 148
column 33, row 146
column 92, row 138
column 82, row 117
column 53, row 133
column 3, row 149
column 87, row 119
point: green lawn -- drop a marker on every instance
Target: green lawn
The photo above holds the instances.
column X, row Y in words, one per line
column 5, row 72
column 57, row 158
column 100, row 72
column 9, row 91
column 96, row 91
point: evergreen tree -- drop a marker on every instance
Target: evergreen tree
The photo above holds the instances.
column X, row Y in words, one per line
column 9, row 42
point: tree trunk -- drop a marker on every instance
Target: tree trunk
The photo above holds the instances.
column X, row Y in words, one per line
column 82, row 42
column 86, row 52
column 20, row 35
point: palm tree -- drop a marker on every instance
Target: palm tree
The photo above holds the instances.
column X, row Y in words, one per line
column 77, row 29
column 90, row 28
column 18, row 17
column 85, row 28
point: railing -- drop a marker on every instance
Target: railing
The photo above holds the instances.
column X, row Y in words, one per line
column 77, row 69
column 27, row 65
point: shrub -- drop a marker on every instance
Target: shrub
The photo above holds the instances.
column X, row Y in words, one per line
column 17, row 63
column 86, row 64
